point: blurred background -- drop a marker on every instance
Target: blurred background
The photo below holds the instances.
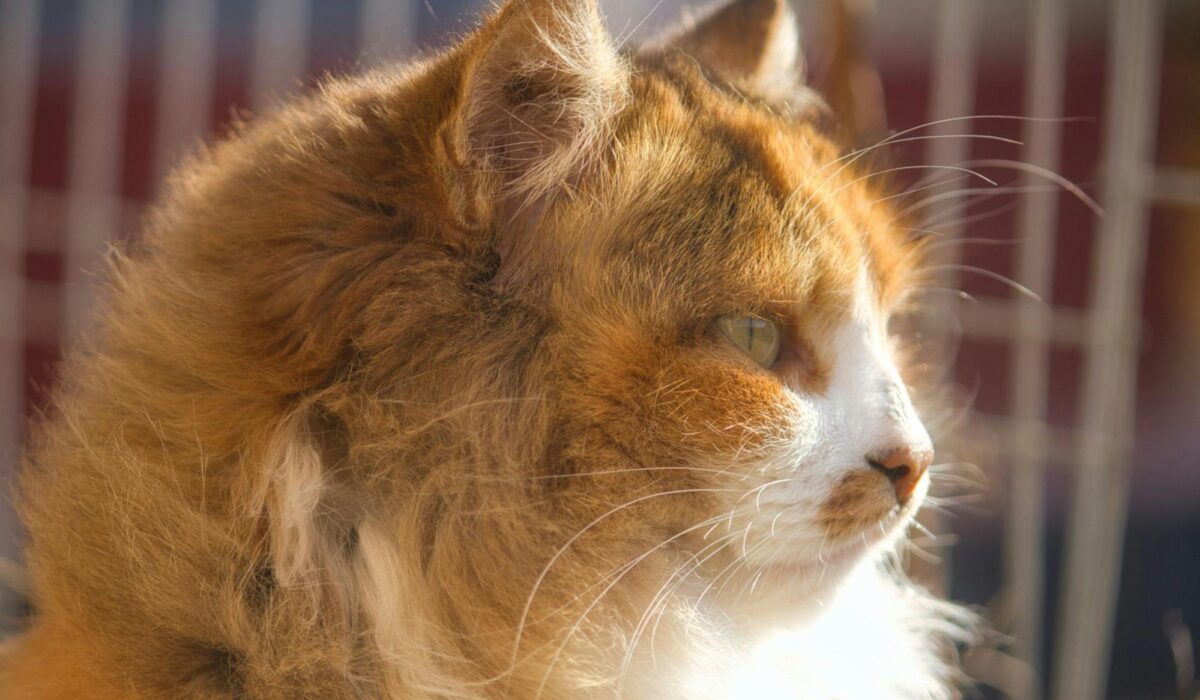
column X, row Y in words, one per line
column 1083, row 534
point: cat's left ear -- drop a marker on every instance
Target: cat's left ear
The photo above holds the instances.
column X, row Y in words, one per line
column 753, row 45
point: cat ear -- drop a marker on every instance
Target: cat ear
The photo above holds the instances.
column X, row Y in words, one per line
column 754, row 45
column 540, row 90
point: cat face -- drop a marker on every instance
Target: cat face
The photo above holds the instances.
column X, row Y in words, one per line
column 708, row 210
column 749, row 232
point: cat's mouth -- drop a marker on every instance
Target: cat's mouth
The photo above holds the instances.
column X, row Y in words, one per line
column 838, row 553
column 851, row 535
column 862, row 506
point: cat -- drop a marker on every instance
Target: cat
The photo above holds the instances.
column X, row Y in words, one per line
column 537, row 368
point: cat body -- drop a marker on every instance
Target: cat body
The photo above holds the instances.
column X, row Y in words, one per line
column 534, row 369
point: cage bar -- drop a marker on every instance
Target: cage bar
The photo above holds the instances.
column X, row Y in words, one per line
column 388, row 29
column 280, row 55
column 19, row 34
column 97, row 121
column 187, row 77
column 1176, row 186
column 1105, row 447
column 952, row 96
column 1026, row 527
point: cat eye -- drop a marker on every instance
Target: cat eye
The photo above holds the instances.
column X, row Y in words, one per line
column 757, row 337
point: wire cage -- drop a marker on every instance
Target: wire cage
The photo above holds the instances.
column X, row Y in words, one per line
column 83, row 142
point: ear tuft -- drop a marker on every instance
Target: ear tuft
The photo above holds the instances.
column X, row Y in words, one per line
column 754, row 45
column 541, row 95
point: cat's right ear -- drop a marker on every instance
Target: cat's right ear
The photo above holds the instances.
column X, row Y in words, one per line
column 540, row 85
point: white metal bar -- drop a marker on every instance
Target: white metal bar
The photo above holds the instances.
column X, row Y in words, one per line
column 952, row 95
column 187, row 77
column 280, row 57
column 19, row 30
column 1061, row 442
column 388, row 30
column 1026, row 526
column 96, row 146
column 43, row 203
column 18, row 75
column 1176, row 186
column 992, row 318
column 1105, row 450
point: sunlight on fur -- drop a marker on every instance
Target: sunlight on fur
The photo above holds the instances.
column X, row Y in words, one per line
column 417, row 387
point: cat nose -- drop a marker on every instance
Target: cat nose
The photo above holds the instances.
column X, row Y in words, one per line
column 904, row 467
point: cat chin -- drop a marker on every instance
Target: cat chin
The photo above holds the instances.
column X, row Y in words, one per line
column 797, row 587
column 791, row 593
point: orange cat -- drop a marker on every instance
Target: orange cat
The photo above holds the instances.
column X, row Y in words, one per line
column 532, row 370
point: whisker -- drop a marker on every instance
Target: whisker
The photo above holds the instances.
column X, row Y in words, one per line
column 990, row 191
column 893, row 138
column 773, row 521
column 956, row 478
column 965, row 499
column 1046, row 173
column 626, row 33
column 934, row 137
column 965, row 296
column 627, row 568
column 942, row 467
column 901, row 168
column 553, row 559
column 926, row 231
column 729, row 571
column 974, row 241
column 926, row 531
column 927, row 557
column 915, row 189
column 974, row 218
column 757, row 492
column 1016, row 286
column 673, row 582
column 616, row 572
column 601, row 472
column 654, row 628
column 848, row 159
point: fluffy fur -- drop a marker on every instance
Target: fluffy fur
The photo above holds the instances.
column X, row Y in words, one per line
column 412, row 390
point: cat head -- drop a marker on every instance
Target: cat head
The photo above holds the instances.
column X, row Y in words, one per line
column 716, row 280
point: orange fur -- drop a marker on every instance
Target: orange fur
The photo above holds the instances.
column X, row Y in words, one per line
column 380, row 357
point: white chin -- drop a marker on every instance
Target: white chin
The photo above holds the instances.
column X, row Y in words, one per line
column 801, row 582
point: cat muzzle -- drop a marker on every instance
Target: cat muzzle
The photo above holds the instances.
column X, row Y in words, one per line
column 904, row 468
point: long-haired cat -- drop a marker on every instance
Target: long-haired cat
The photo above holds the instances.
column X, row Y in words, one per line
column 535, row 369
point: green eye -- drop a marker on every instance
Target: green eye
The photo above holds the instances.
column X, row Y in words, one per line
column 757, row 337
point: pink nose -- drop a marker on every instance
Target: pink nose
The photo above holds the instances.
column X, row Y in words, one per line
column 904, row 467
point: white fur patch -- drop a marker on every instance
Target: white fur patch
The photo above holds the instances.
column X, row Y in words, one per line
column 811, row 618
column 865, row 410
column 876, row 638
column 293, row 493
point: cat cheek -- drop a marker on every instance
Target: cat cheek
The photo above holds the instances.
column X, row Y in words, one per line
column 720, row 415
column 748, row 421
